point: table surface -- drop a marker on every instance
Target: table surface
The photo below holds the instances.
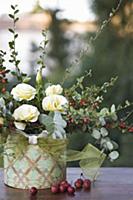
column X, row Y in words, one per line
column 112, row 184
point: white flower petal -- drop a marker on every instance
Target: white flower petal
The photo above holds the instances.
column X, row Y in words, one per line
column 23, row 91
column 54, row 103
column 54, row 89
column 27, row 113
column 20, row 125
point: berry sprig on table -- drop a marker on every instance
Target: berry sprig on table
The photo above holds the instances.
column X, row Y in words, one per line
column 65, row 187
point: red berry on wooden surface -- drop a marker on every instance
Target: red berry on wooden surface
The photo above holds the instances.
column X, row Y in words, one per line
column 54, row 189
column 78, row 184
column 63, row 182
column 33, row 191
column 80, row 180
column 87, row 184
column 62, row 188
column 71, row 190
column 66, row 185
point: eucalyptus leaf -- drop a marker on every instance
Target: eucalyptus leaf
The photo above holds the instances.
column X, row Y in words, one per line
column 113, row 155
column 104, row 131
column 48, row 122
column 96, row 134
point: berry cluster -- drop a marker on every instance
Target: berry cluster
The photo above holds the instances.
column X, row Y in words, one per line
column 3, row 72
column 125, row 127
column 65, row 186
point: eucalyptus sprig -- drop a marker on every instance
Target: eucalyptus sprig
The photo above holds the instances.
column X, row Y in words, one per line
column 42, row 49
column 41, row 63
column 12, row 43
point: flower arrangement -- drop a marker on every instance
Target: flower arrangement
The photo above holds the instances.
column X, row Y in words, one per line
column 49, row 112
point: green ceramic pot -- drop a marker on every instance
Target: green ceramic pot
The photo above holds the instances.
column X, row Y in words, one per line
column 34, row 167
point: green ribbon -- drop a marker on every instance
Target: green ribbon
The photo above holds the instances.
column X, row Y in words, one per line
column 90, row 158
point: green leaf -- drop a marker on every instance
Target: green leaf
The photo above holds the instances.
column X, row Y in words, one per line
column 16, row 35
column 16, row 19
column 11, row 30
column 48, row 122
column 12, row 7
column 26, row 79
column 17, row 62
column 11, row 16
column 16, row 11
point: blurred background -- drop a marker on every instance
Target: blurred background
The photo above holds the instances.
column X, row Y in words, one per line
column 71, row 23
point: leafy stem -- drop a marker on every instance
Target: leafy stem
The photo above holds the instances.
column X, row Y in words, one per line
column 12, row 43
column 42, row 49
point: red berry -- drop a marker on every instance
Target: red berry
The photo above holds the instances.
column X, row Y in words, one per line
column 62, row 188
column 87, row 184
column 54, row 189
column 122, row 125
column 82, row 102
column 66, row 185
column 71, row 190
column 78, row 184
column 80, row 180
column 72, row 103
column 33, row 191
column 3, row 90
column 130, row 129
column 63, row 182
column 3, row 81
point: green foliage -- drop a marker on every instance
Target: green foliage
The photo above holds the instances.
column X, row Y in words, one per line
column 47, row 120
column 12, row 45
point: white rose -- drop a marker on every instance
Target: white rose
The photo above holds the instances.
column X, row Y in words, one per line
column 54, row 103
column 23, row 91
column 27, row 113
column 54, row 89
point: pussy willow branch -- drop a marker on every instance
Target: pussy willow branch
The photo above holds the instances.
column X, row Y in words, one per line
column 93, row 38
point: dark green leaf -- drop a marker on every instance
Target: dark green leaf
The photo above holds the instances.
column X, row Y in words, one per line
column 17, row 62
column 16, row 35
column 11, row 16
column 16, row 19
column 11, row 30
column 12, row 7
column 11, row 61
column 16, row 11
column 13, row 73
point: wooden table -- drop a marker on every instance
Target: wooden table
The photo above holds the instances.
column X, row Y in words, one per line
column 113, row 184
